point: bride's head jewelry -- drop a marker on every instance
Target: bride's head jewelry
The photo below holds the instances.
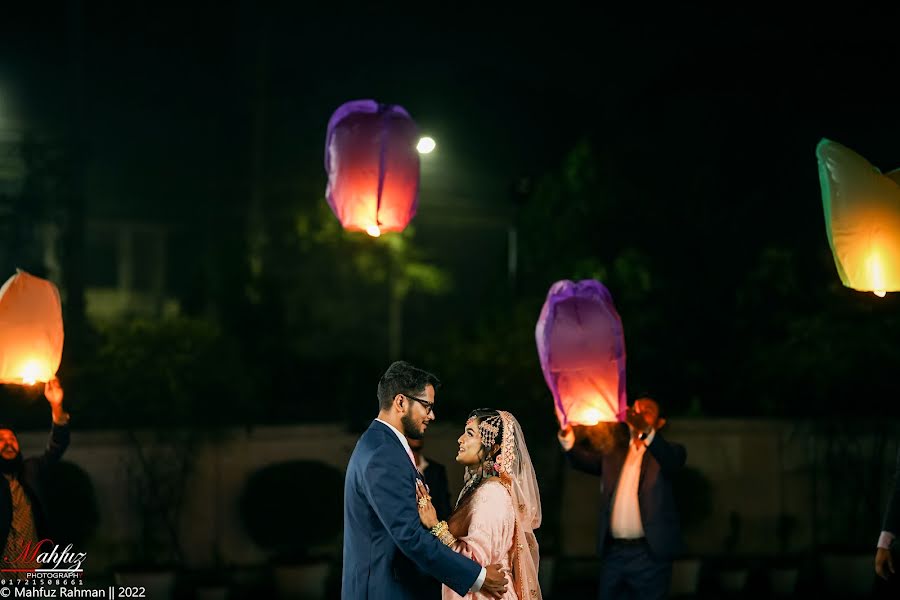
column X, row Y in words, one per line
column 489, row 427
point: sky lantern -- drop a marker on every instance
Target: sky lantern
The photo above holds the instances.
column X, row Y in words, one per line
column 31, row 330
column 373, row 166
column 582, row 352
column 862, row 219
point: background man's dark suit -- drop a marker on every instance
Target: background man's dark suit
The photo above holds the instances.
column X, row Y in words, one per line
column 436, row 478
column 885, row 565
column 892, row 513
column 435, row 474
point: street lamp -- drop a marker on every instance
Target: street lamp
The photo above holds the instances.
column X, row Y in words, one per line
column 426, row 145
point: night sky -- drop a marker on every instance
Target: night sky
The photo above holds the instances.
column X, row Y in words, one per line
column 505, row 95
column 715, row 115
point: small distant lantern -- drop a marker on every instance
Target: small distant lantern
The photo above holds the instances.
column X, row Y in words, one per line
column 862, row 219
column 373, row 167
column 31, row 330
column 582, row 352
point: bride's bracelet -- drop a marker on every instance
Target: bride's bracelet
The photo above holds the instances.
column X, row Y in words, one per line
column 441, row 532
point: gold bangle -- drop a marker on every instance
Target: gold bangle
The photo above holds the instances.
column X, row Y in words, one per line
column 448, row 538
column 442, row 532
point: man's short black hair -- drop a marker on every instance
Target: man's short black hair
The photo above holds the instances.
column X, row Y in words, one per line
column 403, row 378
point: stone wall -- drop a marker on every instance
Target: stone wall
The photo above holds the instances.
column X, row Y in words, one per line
column 760, row 474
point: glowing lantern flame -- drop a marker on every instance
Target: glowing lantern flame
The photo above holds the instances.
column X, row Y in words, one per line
column 590, row 416
column 33, row 371
column 373, row 230
column 876, row 275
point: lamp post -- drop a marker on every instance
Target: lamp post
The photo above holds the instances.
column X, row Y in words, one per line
column 398, row 285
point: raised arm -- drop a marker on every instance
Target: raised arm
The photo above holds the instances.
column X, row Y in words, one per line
column 59, row 430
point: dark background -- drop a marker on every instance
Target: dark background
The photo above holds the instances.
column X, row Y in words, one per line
column 669, row 154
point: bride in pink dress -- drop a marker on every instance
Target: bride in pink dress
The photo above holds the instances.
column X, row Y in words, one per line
column 499, row 506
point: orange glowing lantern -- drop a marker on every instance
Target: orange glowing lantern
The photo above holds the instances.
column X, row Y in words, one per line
column 31, row 330
column 373, row 167
column 862, row 219
column 582, row 352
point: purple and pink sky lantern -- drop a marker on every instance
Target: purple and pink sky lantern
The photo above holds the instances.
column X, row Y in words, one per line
column 582, row 350
column 373, row 166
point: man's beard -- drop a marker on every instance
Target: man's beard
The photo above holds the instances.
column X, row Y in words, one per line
column 409, row 427
column 11, row 466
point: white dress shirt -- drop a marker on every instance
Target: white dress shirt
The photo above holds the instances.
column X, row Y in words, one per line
column 478, row 582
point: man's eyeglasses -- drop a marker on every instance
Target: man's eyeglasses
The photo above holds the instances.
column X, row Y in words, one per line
column 429, row 406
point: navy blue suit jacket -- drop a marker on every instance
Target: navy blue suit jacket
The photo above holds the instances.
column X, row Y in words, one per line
column 386, row 549
column 659, row 515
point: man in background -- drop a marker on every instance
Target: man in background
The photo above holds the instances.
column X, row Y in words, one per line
column 887, row 541
column 435, row 475
column 23, row 503
column 638, row 533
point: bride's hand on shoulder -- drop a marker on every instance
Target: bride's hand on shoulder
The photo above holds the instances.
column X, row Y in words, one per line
column 427, row 514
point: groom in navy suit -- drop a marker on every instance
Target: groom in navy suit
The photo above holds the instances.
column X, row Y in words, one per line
column 386, row 548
